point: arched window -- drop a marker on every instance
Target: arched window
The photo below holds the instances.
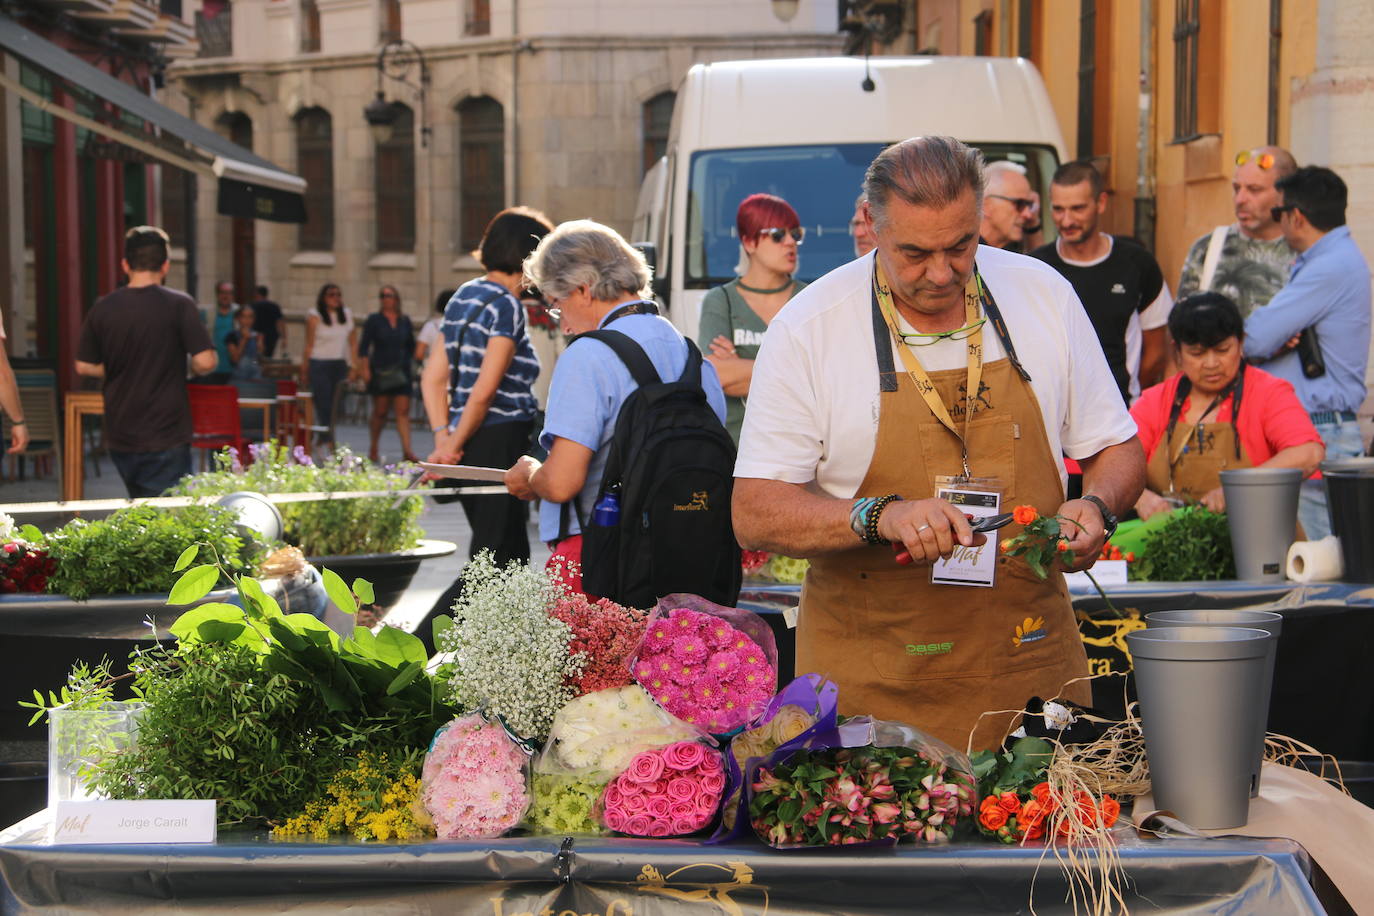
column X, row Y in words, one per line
column 658, row 114
column 394, row 184
column 315, row 161
column 481, row 167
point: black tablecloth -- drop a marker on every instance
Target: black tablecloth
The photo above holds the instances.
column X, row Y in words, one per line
column 554, row 877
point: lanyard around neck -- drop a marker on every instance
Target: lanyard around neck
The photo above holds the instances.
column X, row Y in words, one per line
column 919, row 376
column 1185, row 387
column 639, row 307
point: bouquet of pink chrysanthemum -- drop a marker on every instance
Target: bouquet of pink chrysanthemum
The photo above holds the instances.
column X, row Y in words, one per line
column 666, row 791
column 603, row 634
column 475, row 779
column 710, row 666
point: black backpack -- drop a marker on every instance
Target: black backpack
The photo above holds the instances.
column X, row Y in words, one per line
column 671, row 464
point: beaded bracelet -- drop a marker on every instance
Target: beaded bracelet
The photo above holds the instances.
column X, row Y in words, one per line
column 871, row 534
column 858, row 514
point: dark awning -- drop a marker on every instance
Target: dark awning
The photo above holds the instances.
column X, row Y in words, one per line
column 249, row 186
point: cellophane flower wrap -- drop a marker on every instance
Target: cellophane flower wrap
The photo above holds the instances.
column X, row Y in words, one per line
column 674, row 790
column 711, row 666
column 593, row 738
column 475, row 780
column 800, row 711
column 869, row 782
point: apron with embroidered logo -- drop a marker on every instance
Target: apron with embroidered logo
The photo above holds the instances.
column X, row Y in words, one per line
column 938, row 656
column 1189, row 462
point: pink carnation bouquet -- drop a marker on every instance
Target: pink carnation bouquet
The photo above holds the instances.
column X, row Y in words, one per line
column 712, row 667
column 475, row 779
column 673, row 790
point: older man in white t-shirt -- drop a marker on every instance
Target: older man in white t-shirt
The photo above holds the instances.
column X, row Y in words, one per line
column 861, row 432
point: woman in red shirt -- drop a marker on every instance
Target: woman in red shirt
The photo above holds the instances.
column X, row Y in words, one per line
column 1217, row 413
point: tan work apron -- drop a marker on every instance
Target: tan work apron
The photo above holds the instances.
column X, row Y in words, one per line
column 1210, row 449
column 938, row 656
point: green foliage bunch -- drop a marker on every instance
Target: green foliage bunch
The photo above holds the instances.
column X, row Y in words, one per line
column 260, row 709
column 1193, row 545
column 133, row 551
column 325, row 527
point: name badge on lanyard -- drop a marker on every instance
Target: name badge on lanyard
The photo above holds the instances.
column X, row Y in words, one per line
column 976, row 566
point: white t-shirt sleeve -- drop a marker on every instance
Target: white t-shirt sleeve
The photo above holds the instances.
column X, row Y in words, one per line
column 1096, row 417
column 1156, row 314
column 429, row 333
column 781, row 438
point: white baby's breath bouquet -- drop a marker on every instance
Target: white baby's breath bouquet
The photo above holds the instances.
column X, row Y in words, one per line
column 510, row 656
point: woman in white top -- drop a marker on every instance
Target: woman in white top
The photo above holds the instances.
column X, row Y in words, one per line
column 331, row 342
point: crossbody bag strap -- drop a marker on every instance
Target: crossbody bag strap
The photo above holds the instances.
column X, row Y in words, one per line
column 1212, row 258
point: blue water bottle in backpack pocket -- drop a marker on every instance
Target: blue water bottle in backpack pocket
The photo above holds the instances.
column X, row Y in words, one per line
column 606, row 512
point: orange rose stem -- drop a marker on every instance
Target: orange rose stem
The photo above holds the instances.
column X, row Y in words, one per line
column 1091, row 578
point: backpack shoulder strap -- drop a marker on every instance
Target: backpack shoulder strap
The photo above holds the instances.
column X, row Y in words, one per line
column 691, row 372
column 630, row 353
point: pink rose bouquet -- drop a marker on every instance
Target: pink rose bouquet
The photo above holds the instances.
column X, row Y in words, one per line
column 710, row 666
column 666, row 791
column 475, row 779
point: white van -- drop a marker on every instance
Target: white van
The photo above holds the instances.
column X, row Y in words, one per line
column 806, row 130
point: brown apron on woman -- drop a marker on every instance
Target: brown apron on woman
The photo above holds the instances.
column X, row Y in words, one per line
column 1188, row 463
column 938, row 656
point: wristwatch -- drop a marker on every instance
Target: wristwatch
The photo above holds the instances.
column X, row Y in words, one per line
column 1109, row 521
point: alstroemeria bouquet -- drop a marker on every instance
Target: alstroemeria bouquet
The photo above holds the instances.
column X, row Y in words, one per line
column 890, row 783
column 474, row 782
column 23, row 567
column 710, row 666
column 667, row 791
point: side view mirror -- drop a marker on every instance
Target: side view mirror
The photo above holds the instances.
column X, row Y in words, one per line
column 660, row 283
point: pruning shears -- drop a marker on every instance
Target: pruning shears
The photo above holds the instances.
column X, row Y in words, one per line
column 979, row 525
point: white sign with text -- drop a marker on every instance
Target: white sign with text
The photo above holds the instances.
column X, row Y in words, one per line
column 146, row 821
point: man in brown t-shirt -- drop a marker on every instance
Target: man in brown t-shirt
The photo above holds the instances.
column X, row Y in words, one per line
column 137, row 339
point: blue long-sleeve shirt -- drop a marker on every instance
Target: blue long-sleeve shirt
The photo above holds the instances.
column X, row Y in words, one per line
column 1328, row 289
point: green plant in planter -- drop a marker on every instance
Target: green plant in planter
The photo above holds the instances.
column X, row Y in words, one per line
column 259, row 709
column 133, row 551
column 321, row 528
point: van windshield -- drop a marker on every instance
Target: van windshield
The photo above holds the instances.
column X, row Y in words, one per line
column 820, row 182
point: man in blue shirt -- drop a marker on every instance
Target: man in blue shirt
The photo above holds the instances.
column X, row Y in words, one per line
column 1328, row 291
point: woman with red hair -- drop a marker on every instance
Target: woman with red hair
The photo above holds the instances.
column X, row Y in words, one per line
column 735, row 316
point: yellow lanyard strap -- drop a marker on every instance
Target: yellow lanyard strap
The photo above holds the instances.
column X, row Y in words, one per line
column 918, row 374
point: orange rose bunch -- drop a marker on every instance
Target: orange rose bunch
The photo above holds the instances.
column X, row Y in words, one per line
column 1009, row 818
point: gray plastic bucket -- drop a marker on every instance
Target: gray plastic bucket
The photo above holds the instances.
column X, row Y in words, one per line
column 1198, row 687
column 1262, row 508
column 1268, row 621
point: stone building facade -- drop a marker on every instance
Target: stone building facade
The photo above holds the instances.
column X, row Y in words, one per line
column 556, row 104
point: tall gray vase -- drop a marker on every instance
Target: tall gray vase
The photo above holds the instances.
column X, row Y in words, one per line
column 1262, row 509
column 1197, row 689
column 1268, row 621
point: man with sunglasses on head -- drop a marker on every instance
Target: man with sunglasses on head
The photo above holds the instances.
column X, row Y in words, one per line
column 931, row 378
column 1009, row 207
column 1249, row 259
column 1327, row 294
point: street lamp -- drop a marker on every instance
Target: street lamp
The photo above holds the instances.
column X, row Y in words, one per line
column 395, row 61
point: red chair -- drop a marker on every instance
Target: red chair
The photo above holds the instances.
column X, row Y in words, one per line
column 215, row 420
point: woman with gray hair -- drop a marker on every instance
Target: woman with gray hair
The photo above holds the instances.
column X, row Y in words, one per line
column 592, row 278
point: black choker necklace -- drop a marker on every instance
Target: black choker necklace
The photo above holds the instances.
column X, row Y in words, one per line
column 764, row 292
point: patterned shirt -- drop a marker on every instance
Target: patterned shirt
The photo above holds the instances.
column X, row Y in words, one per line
column 478, row 311
column 1250, row 271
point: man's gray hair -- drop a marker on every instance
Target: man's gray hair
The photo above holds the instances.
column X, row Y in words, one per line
column 1000, row 167
column 586, row 253
column 924, row 172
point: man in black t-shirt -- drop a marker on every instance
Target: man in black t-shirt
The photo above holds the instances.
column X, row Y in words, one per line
column 1118, row 281
column 137, row 339
column 267, row 321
